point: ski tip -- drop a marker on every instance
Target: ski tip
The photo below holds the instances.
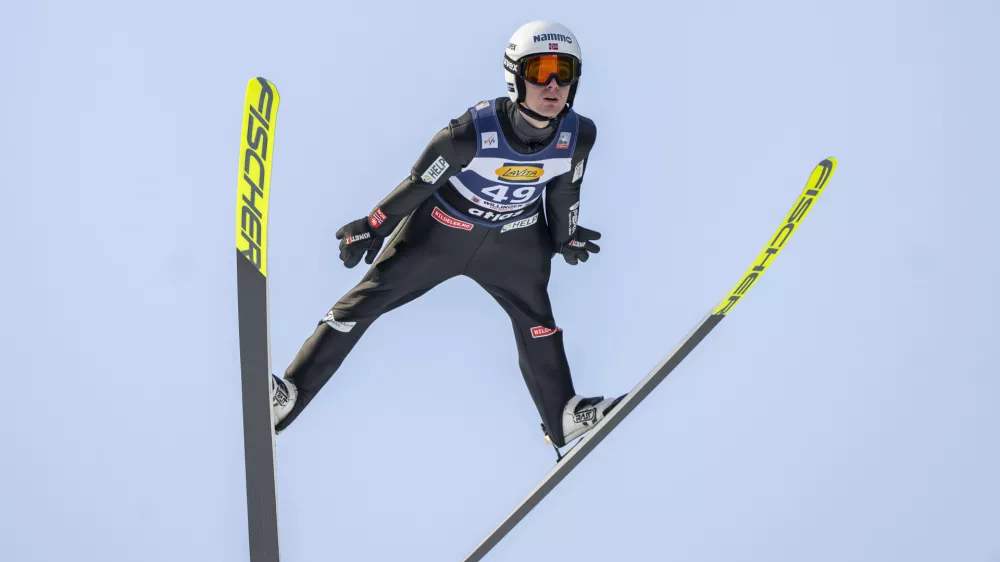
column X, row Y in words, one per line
column 826, row 168
column 263, row 82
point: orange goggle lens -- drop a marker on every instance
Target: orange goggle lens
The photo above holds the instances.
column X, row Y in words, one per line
column 540, row 69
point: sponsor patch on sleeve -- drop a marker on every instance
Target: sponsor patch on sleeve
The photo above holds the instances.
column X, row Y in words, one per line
column 377, row 218
column 578, row 171
column 435, row 170
column 337, row 325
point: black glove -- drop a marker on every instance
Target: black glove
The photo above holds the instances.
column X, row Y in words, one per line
column 579, row 247
column 356, row 239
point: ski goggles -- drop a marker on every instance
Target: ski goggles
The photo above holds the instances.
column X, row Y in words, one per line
column 539, row 69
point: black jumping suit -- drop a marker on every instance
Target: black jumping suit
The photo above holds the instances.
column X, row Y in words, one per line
column 430, row 241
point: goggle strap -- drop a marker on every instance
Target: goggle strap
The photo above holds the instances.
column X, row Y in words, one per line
column 511, row 65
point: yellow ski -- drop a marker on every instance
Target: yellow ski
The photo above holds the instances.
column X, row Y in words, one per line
column 260, row 110
column 814, row 188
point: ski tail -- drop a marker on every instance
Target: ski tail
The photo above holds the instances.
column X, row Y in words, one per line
column 814, row 188
column 260, row 111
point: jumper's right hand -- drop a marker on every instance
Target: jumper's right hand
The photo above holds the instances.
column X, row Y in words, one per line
column 358, row 239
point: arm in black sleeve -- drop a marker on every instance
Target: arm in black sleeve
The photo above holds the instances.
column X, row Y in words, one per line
column 451, row 149
column 562, row 195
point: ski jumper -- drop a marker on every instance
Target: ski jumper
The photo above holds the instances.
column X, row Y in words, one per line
column 476, row 209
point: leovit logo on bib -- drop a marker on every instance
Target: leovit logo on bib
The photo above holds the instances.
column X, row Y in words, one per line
column 512, row 171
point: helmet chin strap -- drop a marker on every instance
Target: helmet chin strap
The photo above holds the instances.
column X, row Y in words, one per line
column 535, row 115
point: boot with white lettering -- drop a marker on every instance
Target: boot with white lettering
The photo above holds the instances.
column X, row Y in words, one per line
column 283, row 395
column 582, row 414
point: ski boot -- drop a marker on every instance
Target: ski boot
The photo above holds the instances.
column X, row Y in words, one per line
column 283, row 395
column 581, row 415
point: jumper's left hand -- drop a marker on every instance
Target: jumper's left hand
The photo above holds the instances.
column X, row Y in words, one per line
column 579, row 247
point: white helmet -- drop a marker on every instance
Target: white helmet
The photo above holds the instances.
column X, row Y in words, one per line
column 534, row 38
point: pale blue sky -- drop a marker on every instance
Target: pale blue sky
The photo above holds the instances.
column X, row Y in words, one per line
column 845, row 411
